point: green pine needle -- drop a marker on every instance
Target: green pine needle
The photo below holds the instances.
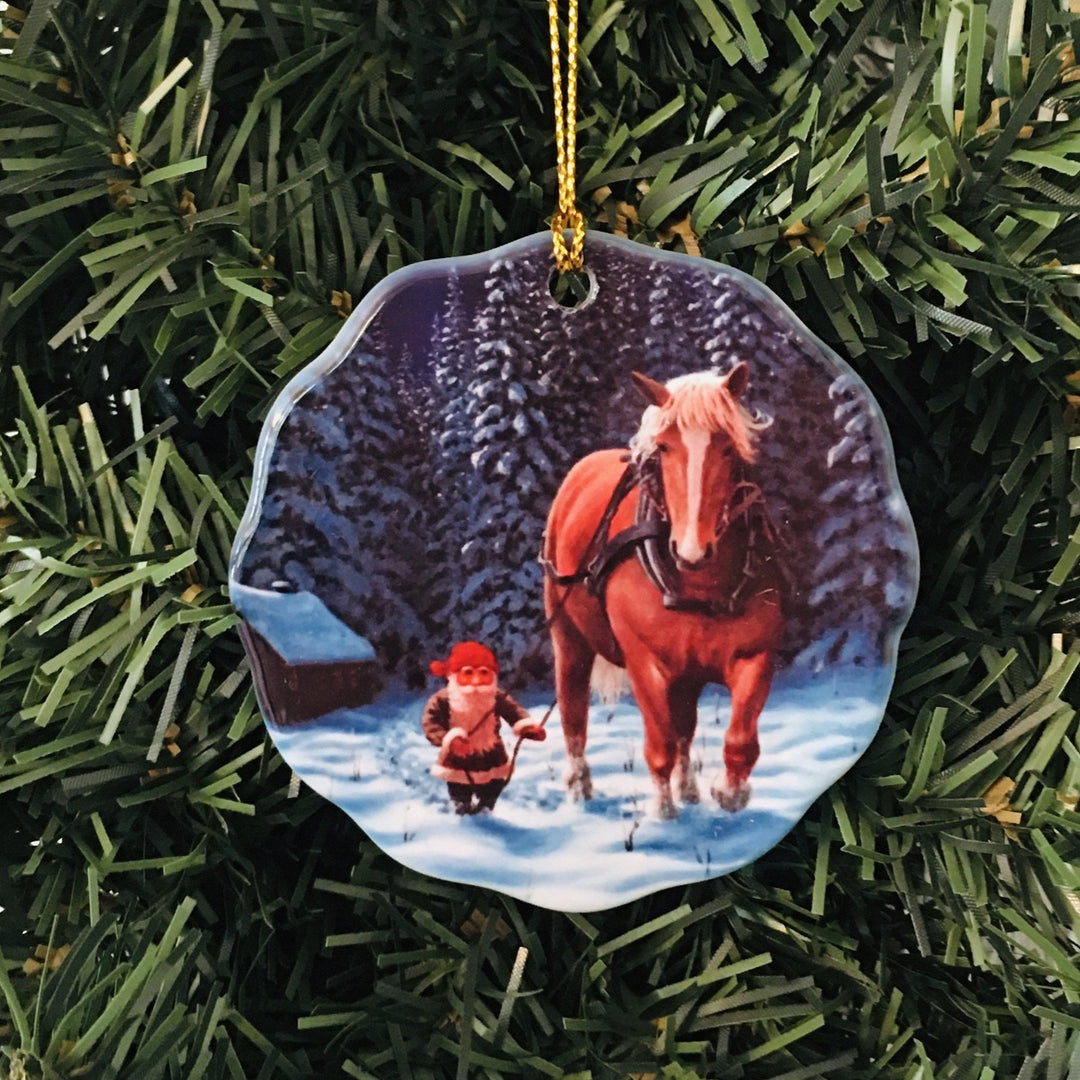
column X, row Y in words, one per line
column 184, row 188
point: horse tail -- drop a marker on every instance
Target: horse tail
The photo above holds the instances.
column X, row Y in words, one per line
column 608, row 681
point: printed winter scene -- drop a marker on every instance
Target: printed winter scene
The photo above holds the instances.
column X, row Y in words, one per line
column 574, row 603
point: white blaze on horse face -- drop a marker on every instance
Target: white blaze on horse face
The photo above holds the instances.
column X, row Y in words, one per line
column 689, row 546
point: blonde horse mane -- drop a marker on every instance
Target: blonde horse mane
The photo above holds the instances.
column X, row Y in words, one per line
column 700, row 401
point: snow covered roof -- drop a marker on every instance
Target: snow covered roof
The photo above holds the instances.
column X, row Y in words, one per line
column 299, row 626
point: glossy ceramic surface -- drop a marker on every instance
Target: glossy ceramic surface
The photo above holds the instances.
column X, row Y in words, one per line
column 401, row 488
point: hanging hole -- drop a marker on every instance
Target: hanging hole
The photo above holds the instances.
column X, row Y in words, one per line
column 570, row 289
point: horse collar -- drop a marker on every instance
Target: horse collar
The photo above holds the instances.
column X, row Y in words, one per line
column 651, row 488
column 649, row 539
column 654, row 550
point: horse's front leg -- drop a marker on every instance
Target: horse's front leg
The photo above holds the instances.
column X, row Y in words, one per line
column 573, row 669
column 652, row 690
column 749, row 679
column 683, row 703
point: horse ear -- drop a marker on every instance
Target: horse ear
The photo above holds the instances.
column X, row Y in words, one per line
column 655, row 393
column 738, row 379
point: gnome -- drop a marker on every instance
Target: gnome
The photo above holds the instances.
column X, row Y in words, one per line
column 463, row 721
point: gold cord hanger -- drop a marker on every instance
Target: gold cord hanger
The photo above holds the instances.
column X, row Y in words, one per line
column 567, row 216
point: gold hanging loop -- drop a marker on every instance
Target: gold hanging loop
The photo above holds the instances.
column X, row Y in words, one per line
column 567, row 217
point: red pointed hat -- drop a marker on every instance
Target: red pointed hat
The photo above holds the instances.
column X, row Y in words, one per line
column 464, row 654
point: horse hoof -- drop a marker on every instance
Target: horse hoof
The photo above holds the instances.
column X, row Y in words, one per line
column 689, row 793
column 579, row 782
column 663, row 806
column 685, row 783
column 732, row 799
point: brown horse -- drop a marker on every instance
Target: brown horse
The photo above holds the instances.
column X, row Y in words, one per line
column 701, row 603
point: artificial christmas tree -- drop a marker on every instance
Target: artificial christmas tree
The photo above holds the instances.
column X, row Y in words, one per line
column 185, row 188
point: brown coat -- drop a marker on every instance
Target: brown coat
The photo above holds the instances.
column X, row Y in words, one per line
column 485, row 757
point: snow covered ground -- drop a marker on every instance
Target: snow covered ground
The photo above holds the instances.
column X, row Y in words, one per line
column 374, row 763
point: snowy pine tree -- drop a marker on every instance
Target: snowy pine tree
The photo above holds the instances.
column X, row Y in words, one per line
column 518, row 462
column 863, row 577
column 339, row 518
column 419, row 425
column 418, row 413
column 452, row 368
column 678, row 323
column 789, row 385
column 593, row 350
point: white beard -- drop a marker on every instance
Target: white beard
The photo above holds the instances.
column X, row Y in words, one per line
column 469, row 705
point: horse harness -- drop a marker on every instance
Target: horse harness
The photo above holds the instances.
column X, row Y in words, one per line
column 648, row 539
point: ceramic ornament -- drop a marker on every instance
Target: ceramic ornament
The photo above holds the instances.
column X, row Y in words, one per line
column 574, row 603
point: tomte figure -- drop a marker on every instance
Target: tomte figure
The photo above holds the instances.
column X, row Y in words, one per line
column 463, row 720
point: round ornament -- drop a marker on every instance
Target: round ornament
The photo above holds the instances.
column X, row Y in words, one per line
column 575, row 603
